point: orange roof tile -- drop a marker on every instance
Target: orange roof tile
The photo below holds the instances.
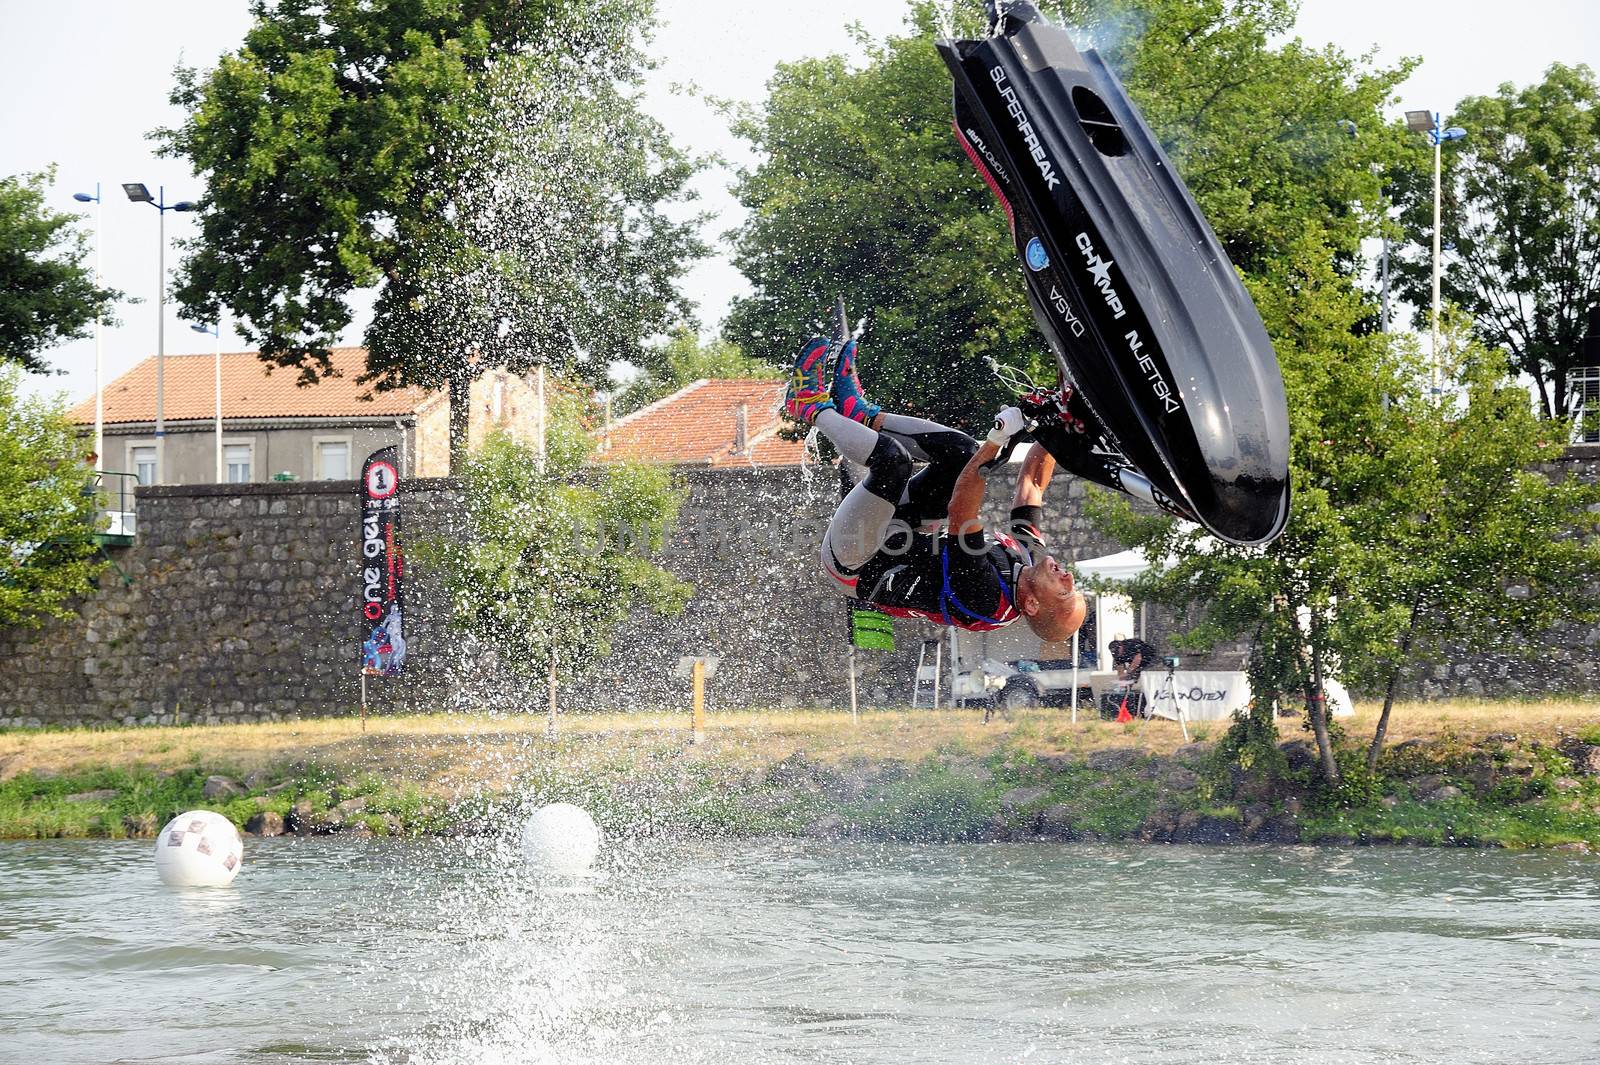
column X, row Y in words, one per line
column 248, row 391
column 696, row 425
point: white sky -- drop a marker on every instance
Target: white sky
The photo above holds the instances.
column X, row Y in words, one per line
column 85, row 80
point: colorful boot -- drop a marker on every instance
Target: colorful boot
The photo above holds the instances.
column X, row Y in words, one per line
column 847, row 395
column 808, row 387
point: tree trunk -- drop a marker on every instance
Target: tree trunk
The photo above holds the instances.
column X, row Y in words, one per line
column 1382, row 730
column 1317, row 709
column 460, row 407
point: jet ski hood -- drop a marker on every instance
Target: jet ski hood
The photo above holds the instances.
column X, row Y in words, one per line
column 1149, row 323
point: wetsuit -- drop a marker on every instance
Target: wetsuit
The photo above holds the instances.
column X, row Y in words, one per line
column 968, row 581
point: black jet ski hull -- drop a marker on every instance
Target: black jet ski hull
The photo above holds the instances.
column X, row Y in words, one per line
column 1146, row 316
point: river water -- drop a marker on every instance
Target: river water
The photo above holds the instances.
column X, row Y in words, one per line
column 734, row 952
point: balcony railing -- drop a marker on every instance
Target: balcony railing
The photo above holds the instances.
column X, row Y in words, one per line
column 115, row 492
column 1585, row 384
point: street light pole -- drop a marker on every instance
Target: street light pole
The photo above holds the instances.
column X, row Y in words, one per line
column 1437, row 149
column 1384, row 314
column 1432, row 124
column 99, row 360
column 161, row 335
column 138, row 193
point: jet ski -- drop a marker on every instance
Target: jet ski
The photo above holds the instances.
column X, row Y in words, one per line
column 1170, row 389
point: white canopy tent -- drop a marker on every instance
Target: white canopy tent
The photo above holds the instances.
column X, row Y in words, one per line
column 1122, row 566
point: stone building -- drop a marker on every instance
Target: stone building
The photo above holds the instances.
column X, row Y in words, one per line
column 275, row 428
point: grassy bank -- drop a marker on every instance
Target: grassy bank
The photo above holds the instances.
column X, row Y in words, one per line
column 1457, row 773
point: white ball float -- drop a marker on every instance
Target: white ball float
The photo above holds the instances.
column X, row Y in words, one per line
column 562, row 839
column 199, row 849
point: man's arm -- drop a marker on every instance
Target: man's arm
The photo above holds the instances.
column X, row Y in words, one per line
column 1037, row 469
column 967, row 495
column 966, row 498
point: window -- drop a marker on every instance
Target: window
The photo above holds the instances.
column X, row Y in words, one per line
column 236, row 459
column 143, row 460
column 1585, row 404
column 333, row 460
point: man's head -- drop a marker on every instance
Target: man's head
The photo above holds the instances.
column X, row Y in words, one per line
column 1049, row 600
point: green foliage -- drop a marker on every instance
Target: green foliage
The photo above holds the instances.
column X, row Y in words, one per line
column 1357, row 785
column 863, row 191
column 1522, row 209
column 1421, row 525
column 932, row 804
column 48, row 509
column 36, row 806
column 47, row 293
column 553, row 556
column 1265, row 149
column 485, row 165
column 682, row 360
column 1462, row 821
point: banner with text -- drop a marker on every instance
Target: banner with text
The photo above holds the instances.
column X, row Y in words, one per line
column 1202, row 694
column 381, row 595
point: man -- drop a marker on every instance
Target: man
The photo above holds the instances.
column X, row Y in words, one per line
column 1130, row 657
column 885, row 544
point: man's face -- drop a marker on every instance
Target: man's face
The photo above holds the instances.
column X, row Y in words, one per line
column 1054, row 592
column 1051, row 580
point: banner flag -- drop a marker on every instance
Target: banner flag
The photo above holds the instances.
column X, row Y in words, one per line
column 381, row 598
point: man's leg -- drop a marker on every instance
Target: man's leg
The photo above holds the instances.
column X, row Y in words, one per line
column 866, row 517
column 923, row 498
column 945, row 451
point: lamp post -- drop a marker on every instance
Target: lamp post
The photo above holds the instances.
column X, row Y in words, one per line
column 99, row 362
column 216, row 331
column 137, row 193
column 1429, row 123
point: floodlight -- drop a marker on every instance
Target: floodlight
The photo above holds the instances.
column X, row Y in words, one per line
column 137, row 192
column 1420, row 121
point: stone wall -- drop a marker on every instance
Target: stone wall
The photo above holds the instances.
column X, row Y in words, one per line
column 237, row 602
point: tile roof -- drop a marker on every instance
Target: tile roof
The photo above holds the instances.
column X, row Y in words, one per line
column 248, row 391
column 696, row 426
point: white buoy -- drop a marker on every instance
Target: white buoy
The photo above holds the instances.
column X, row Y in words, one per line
column 561, row 838
column 199, row 849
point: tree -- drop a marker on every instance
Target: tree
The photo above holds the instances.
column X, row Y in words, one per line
column 47, row 294
column 48, row 509
column 552, row 557
column 1522, row 211
column 1473, row 549
column 484, row 163
column 1420, row 527
column 862, row 189
column 682, row 360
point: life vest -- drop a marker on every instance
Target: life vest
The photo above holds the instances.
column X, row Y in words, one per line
column 955, row 613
